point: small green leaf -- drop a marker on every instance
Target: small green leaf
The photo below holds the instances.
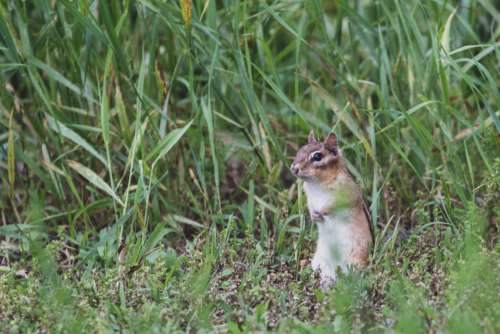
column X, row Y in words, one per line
column 166, row 144
column 155, row 237
column 74, row 137
column 105, row 116
column 122, row 114
column 445, row 38
column 93, row 178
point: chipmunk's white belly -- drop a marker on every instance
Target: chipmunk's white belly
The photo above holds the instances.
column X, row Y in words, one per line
column 318, row 198
column 334, row 233
column 334, row 243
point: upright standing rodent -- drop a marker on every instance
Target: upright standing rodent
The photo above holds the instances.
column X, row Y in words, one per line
column 336, row 204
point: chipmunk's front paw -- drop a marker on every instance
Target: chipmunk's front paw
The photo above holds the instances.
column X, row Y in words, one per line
column 317, row 216
column 326, row 282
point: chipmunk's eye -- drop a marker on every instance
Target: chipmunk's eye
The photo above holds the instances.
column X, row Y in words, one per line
column 317, row 156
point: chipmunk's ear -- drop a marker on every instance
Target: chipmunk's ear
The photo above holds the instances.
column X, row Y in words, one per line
column 330, row 143
column 311, row 139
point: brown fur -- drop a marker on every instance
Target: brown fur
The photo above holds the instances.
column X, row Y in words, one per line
column 362, row 234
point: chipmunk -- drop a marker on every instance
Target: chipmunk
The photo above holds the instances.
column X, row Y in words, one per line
column 336, row 204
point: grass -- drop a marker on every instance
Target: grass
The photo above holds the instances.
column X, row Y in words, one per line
column 144, row 153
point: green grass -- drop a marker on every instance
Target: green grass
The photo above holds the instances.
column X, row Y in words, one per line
column 144, row 153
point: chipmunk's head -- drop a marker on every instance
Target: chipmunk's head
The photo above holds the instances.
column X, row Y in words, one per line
column 317, row 161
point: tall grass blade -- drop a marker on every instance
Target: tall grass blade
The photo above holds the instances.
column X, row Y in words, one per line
column 11, row 163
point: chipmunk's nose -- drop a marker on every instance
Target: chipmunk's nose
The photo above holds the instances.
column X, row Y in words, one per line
column 294, row 168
